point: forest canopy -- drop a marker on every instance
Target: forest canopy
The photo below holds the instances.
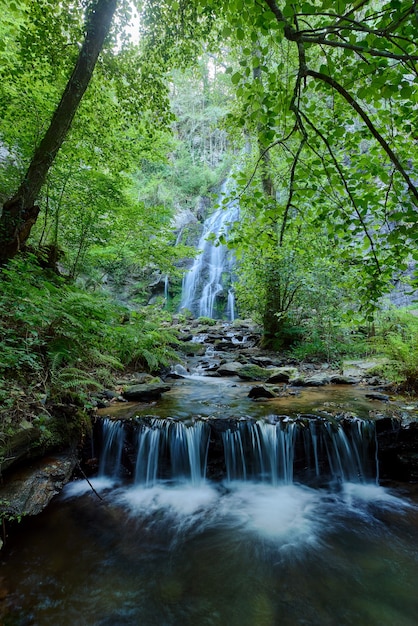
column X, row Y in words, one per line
column 314, row 102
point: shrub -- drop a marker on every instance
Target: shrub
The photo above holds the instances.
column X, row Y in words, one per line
column 397, row 338
column 55, row 337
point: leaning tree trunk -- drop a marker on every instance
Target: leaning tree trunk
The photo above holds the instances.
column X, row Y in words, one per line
column 20, row 212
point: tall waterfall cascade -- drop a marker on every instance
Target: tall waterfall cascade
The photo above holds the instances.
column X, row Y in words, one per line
column 275, row 452
column 207, row 288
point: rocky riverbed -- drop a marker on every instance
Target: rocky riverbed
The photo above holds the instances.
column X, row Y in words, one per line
column 227, row 354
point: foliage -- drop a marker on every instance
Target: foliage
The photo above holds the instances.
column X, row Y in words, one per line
column 315, row 100
column 397, row 339
column 327, row 90
column 206, row 321
column 55, row 337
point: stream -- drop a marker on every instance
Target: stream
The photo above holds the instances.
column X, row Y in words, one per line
column 252, row 549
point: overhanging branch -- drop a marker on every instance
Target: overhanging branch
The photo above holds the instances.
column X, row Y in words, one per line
column 368, row 122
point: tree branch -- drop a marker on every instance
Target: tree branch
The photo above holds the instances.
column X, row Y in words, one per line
column 355, row 105
column 291, row 190
column 346, row 187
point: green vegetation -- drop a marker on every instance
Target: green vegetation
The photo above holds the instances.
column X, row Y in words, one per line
column 397, row 339
column 58, row 342
column 310, row 105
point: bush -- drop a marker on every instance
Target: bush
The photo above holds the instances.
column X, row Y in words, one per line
column 57, row 340
column 397, row 338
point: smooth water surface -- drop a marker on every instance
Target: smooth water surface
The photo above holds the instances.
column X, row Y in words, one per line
column 232, row 554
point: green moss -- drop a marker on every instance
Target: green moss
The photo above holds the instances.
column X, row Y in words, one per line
column 255, row 372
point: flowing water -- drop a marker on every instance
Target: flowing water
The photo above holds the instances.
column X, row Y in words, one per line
column 271, row 542
column 207, row 287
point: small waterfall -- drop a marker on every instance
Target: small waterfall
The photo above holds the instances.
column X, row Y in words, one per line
column 156, row 449
column 205, row 285
column 277, row 451
column 260, row 451
column 230, row 310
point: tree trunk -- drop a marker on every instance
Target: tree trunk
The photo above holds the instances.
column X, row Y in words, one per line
column 20, row 212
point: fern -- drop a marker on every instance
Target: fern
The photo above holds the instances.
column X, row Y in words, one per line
column 75, row 378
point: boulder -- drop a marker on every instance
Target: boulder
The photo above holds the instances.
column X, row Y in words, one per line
column 283, row 375
column 254, row 372
column 340, row 379
column 261, row 392
column 230, row 369
column 29, row 491
column 145, row 393
column 317, row 380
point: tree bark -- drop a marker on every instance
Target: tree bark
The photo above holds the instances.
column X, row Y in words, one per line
column 20, row 212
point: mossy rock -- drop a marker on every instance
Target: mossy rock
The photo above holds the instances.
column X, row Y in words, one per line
column 254, row 372
column 189, row 348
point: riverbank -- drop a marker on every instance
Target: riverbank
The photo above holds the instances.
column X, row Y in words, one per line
column 232, row 373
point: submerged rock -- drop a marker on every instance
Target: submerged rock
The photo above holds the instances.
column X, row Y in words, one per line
column 376, row 395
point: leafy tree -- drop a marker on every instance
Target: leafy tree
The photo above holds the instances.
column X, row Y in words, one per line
column 19, row 212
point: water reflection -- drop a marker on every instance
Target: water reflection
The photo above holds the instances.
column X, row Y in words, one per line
column 236, row 554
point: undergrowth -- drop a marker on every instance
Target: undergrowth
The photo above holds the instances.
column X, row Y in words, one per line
column 59, row 341
column 397, row 339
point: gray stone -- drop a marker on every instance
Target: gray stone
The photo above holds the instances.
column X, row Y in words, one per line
column 29, row 491
column 145, row 393
column 283, row 375
column 229, row 369
column 261, row 392
column 317, row 380
column 340, row 379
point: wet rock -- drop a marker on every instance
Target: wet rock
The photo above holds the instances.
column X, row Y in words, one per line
column 145, row 393
column 340, row 379
column 397, row 445
column 254, row 372
column 185, row 337
column 230, row 369
column 261, row 392
column 262, row 361
column 30, row 490
column 283, row 375
column 376, row 395
column 225, row 345
column 317, row 380
column 178, row 371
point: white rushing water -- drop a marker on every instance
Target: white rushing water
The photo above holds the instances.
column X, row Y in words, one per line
column 210, row 278
column 256, row 548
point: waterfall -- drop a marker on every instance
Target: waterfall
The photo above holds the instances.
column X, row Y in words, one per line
column 158, row 448
column 113, row 437
column 277, row 451
column 205, row 285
